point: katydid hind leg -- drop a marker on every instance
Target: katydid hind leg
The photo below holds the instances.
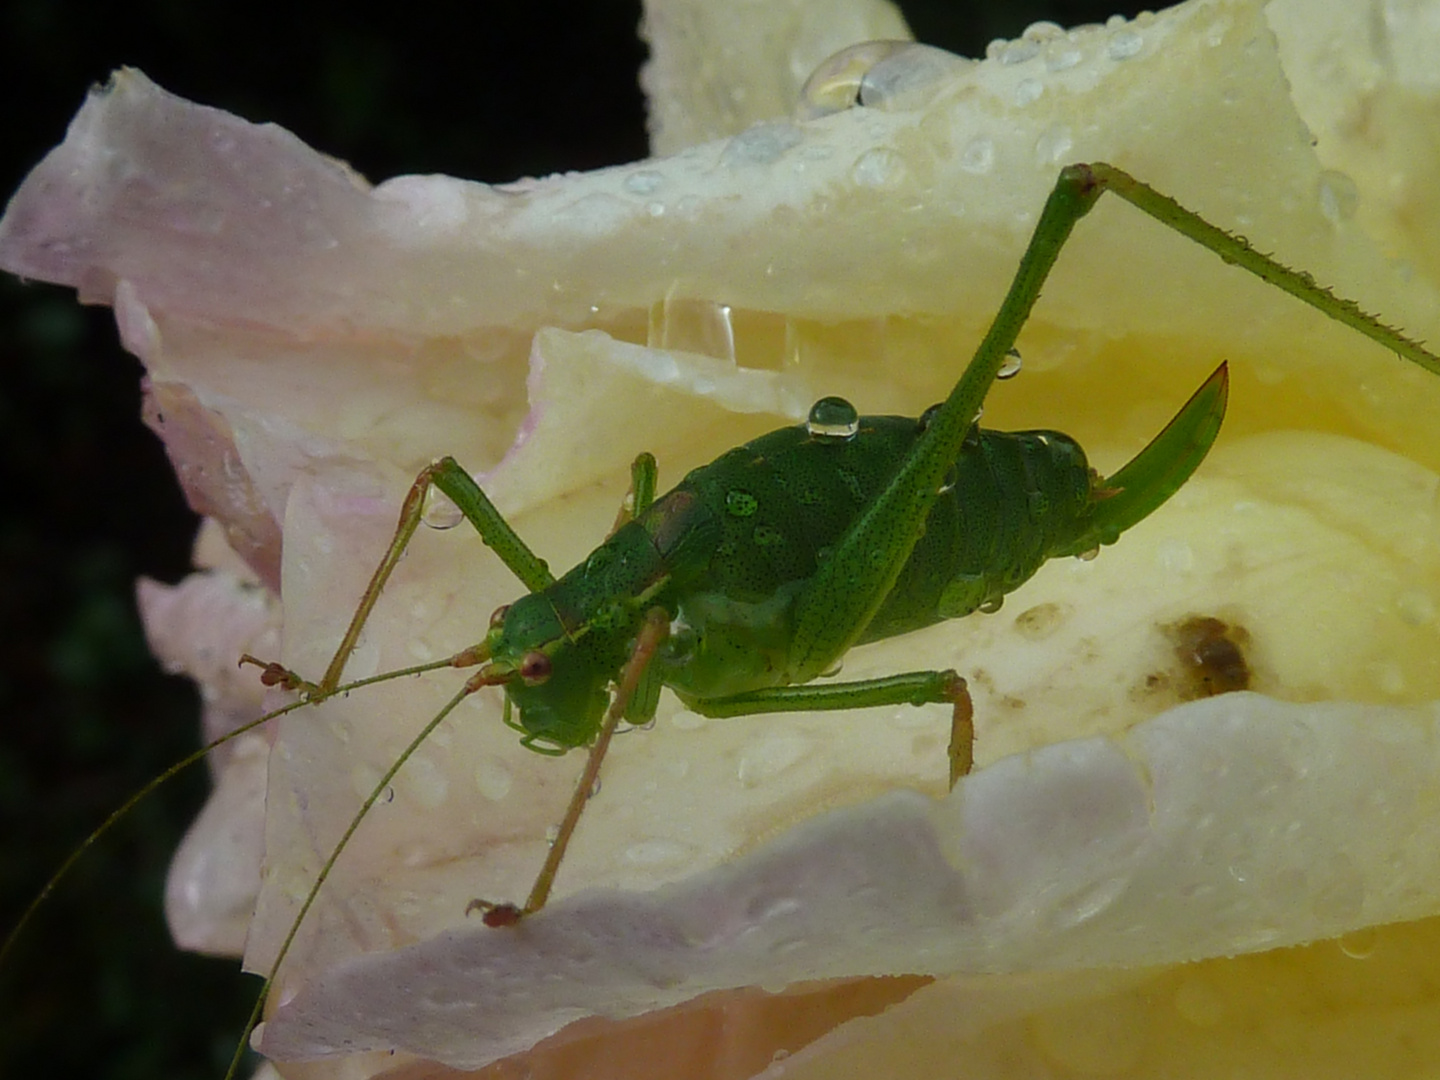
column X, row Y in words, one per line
column 850, row 587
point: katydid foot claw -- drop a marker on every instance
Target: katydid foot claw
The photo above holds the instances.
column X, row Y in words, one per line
column 273, row 674
column 495, row 915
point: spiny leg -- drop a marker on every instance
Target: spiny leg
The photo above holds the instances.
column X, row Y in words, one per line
column 653, row 633
column 446, row 475
column 912, row 688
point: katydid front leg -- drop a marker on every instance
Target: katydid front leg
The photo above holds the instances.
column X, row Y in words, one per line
column 455, row 483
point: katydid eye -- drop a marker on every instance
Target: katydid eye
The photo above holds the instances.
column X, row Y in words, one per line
column 498, row 616
column 535, row 668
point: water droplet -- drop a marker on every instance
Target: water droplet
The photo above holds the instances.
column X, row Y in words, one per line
column 879, row 167
column 1028, row 91
column 657, row 853
column 978, row 157
column 991, row 605
column 909, row 77
column 552, row 835
column 1123, row 44
column 1018, row 52
column 761, row 144
column 644, row 182
column 832, row 418
column 687, row 324
column 833, row 670
column 1054, row 145
column 740, row 503
column 439, row 512
column 1010, row 366
column 928, row 416
column 1360, row 944
column 594, row 788
column 769, row 756
column 493, row 778
column 834, row 85
column 1062, row 55
column 1339, row 197
column 1087, row 556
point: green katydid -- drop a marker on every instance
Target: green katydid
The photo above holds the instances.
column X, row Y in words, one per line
column 759, row 571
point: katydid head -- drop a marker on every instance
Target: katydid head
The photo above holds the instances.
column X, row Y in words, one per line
column 558, row 686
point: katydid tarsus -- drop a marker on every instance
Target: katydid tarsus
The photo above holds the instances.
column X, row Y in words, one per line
column 760, row 570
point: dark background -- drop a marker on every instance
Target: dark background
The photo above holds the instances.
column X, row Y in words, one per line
column 87, row 501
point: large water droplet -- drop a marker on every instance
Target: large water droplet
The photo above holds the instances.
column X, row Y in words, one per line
column 909, row 77
column 991, row 605
column 1010, row 366
column 834, row 86
column 687, row 324
column 1087, row 556
column 832, row 418
column 439, row 512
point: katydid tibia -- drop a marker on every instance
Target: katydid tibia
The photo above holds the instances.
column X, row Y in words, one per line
column 760, row 570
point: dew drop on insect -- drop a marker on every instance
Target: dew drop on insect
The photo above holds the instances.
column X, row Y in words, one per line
column 740, row 503
column 439, row 512
column 992, row 605
column 832, row 418
column 1010, row 366
column 1086, row 556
